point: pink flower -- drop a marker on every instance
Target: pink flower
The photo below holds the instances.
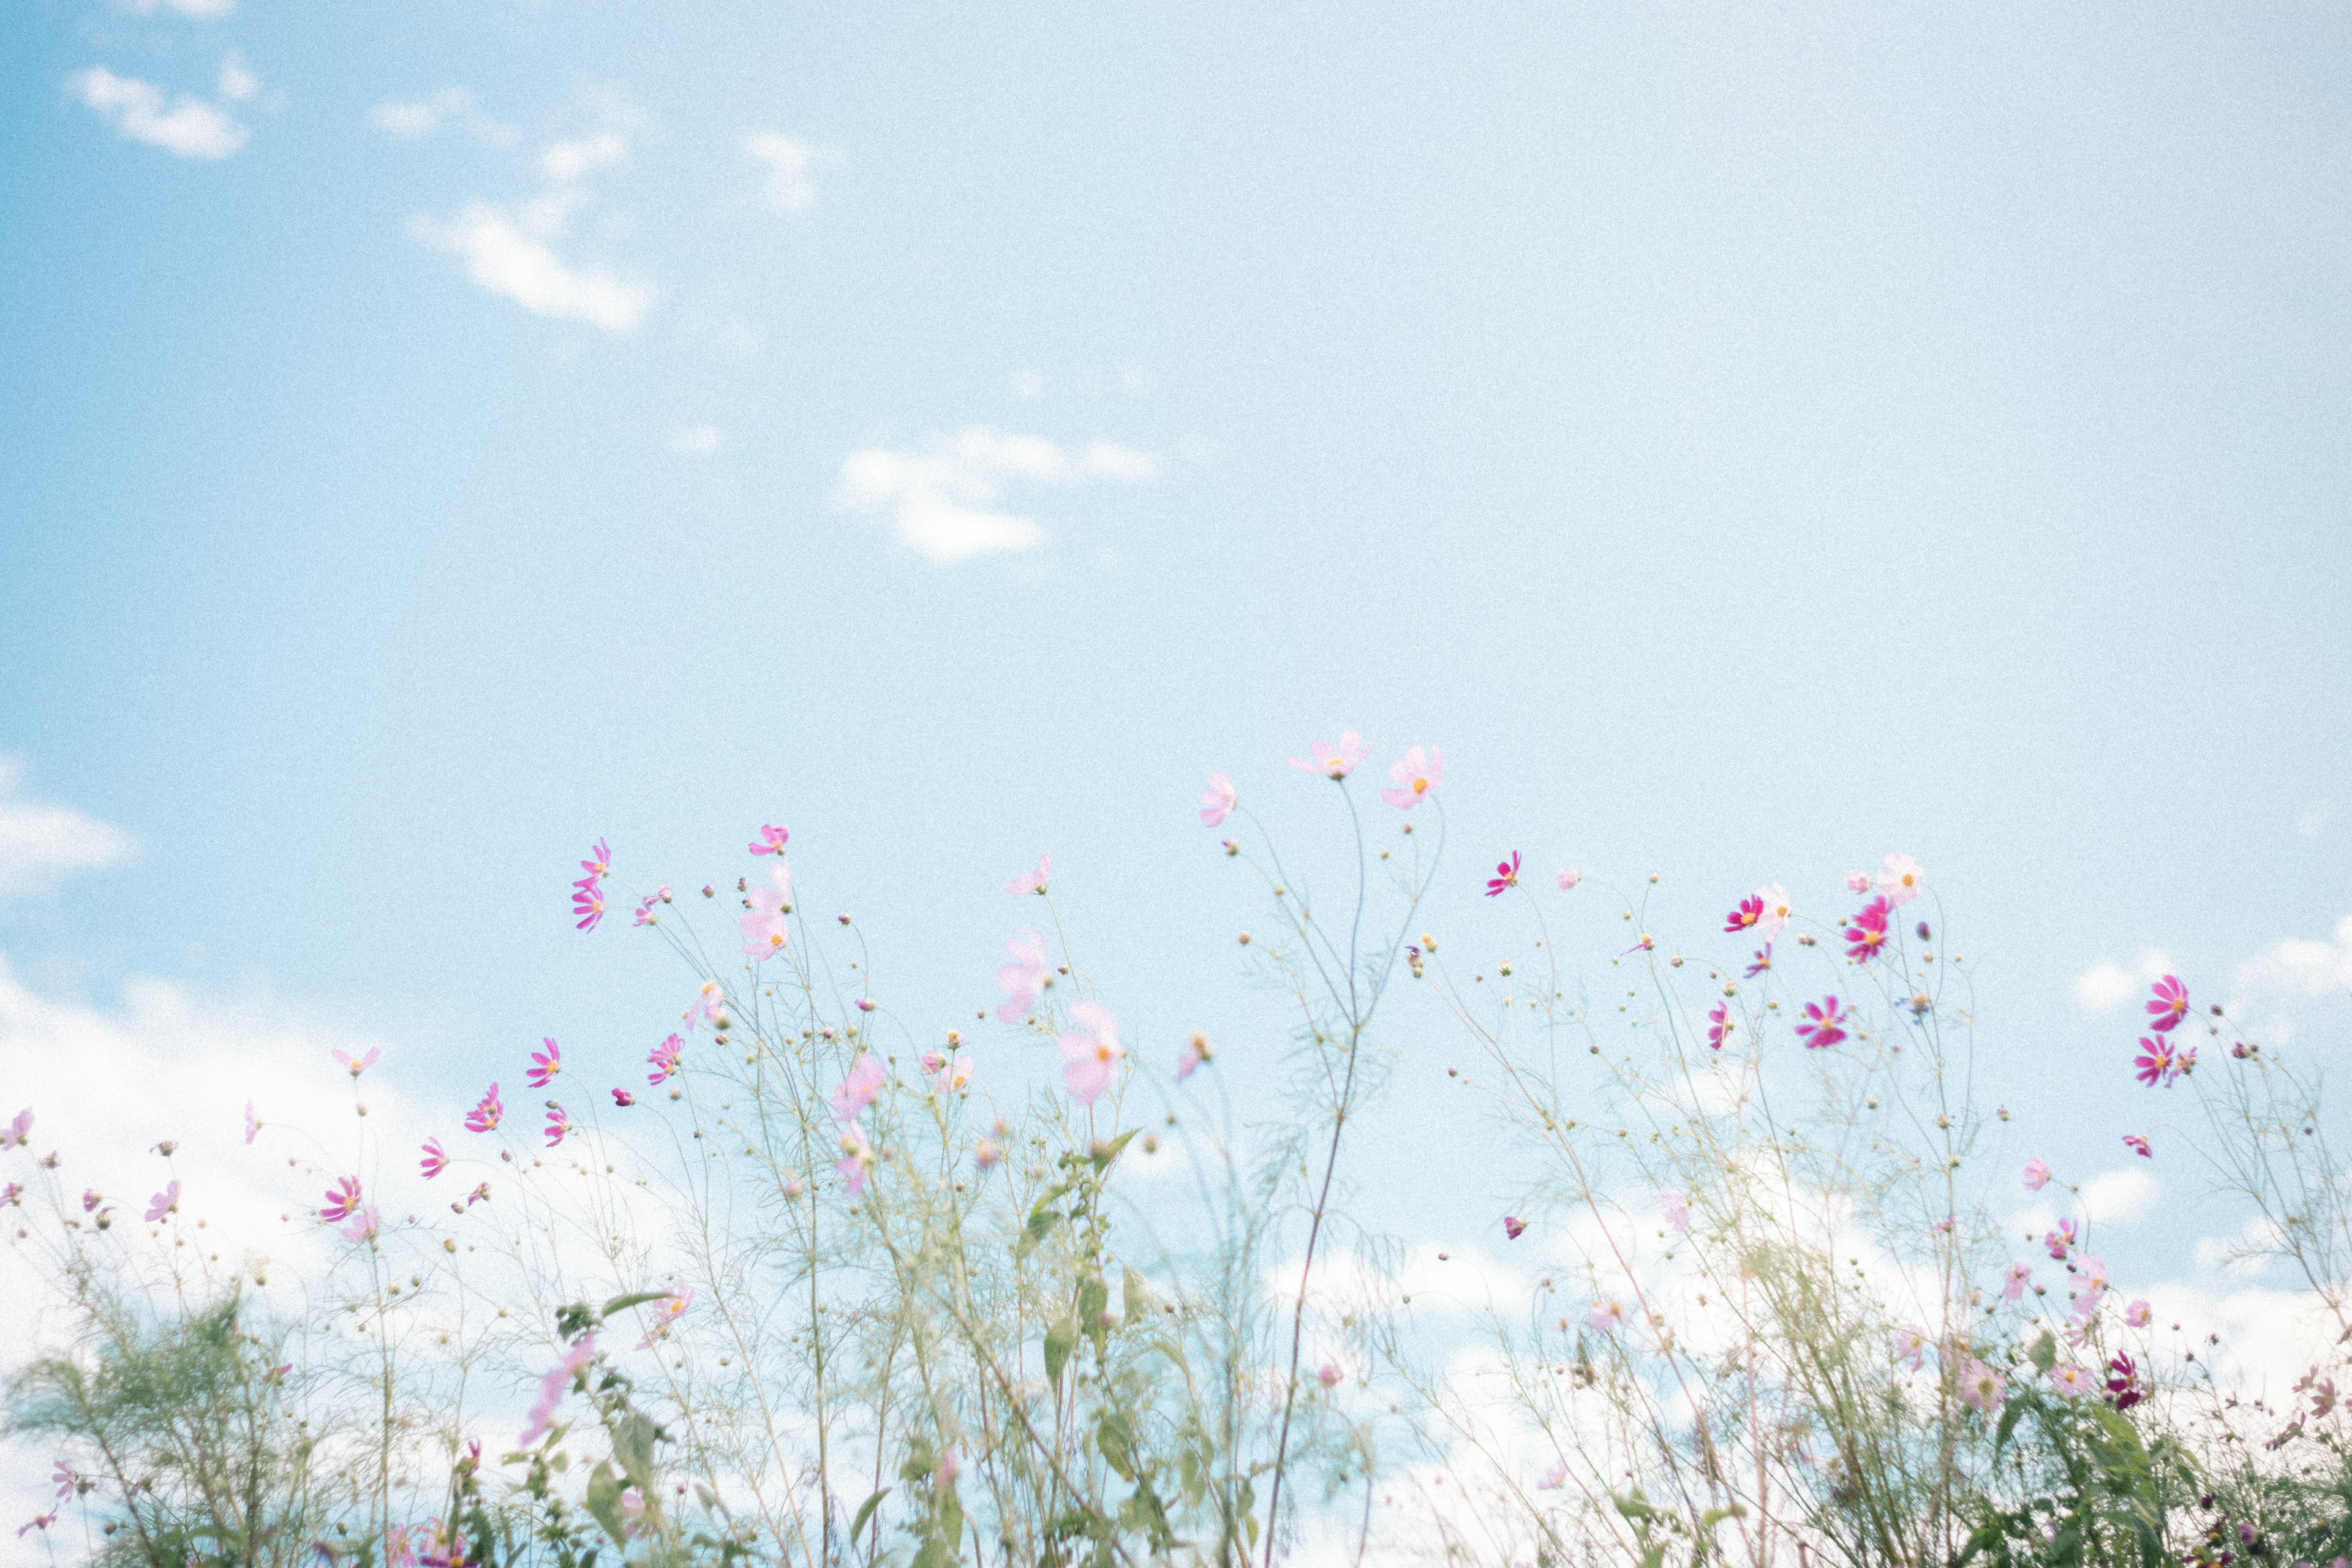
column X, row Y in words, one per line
column 770, row 842
column 764, row 930
column 1983, row 1389
column 599, row 862
column 343, row 1199
column 2019, row 1276
column 1217, row 801
column 1911, row 1347
column 864, row 1081
column 1196, row 1051
column 1757, row 963
column 2136, row 1315
column 588, row 902
column 2138, row 1143
column 1567, row 880
column 90, row 1199
column 1867, row 934
column 544, row 1064
column 644, row 915
column 1328, row 1374
column 480, row 1195
column 947, row 1070
column 944, row 1473
column 2094, row 1271
column 1032, row 881
column 554, row 1386
column 485, row 1116
column 2155, row 1063
column 2085, row 1303
column 1676, row 1207
column 2072, row 1381
column 559, row 1122
column 1514, row 1227
column 2060, row 1240
column 19, row 1133
column 2169, row 1006
column 622, row 1097
column 1554, row 1478
column 1899, row 881
column 435, row 1161
column 1025, row 979
column 355, row 1065
column 365, row 1224
column 38, row 1522
column 64, row 1479
column 986, row 1154
column 664, row 1060
column 1719, row 1025
column 1823, row 1024
column 1091, row 1052
column 666, row 1310
column 857, row 1158
column 252, row 1123
column 164, row 1203
column 1605, row 1318
column 2037, row 1174
column 1747, row 912
column 1776, row 910
column 1506, row 877
column 1414, row 777
column 1333, row 761
column 13, row 1195
column 1857, row 881
column 709, row 1006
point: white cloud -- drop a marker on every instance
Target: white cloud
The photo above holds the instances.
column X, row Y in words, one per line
column 2103, row 987
column 940, row 499
column 40, row 844
column 237, row 82
column 2301, row 966
column 1025, row 384
column 791, row 184
column 508, row 257
column 452, row 105
column 2120, row 1197
column 567, row 160
column 203, row 10
column 189, row 128
column 2253, row 1249
column 2311, row 824
column 695, row 440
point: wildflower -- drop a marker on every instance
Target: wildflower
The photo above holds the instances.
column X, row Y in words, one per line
column 599, row 862
column 947, row 1069
column 1333, row 761
column 1857, row 881
column 1749, row 912
column 2071, row 1380
column 164, row 1203
column 863, row 1081
column 13, row 1195
column 2185, row 1063
column 1983, row 1389
column 2122, row 1388
column 1414, row 777
column 709, row 1006
column 1025, row 979
column 435, row 1161
column 485, row 1116
column 343, row 1199
column 1328, row 1374
column 1513, row 1227
column 2013, row 1286
column 559, row 1123
column 2037, row 1174
column 554, row 1386
column 1776, row 910
column 2170, row 1004
column 365, row 1224
column 1676, row 1207
column 1217, row 801
column 1568, row 879
column 1719, row 1025
column 1507, row 875
column 1196, row 1051
column 764, row 930
column 857, row 1158
column 2059, row 1239
column 2093, row 1271
column 987, row 1154
column 588, row 903
column 1554, row 1478
column 65, row 1478
column 2155, row 1063
column 644, row 915
column 1759, row 962
column 1032, row 881
column 666, row 1310
column 770, row 842
column 1911, row 1347
column 38, row 1522
column 2136, row 1315
column 622, row 1097
column 89, row 1199
column 398, row 1553
column 1867, row 934
column 1089, row 1052
column 944, row 1474
column 544, row 1064
column 1823, row 1024
column 2084, row 1304
column 664, row 1060
column 1605, row 1317
column 2138, row 1143
column 355, row 1065
column 1900, row 881
column 480, row 1195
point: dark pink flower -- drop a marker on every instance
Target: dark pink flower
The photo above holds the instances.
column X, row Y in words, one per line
column 1761, row 962
column 2060, row 1240
column 485, row 1116
column 1749, row 912
column 91, row 1200
column 480, row 1195
column 164, row 1203
column 1823, row 1024
column 622, row 1097
column 436, row 1159
column 1414, row 777
column 599, row 862
column 664, row 1060
column 2155, row 1064
column 559, row 1122
column 1719, row 1025
column 645, row 916
column 544, row 1064
column 588, row 903
column 1867, row 933
column 13, row 1195
column 770, row 841
column 2138, row 1143
column 2170, row 1006
column 343, row 1199
column 1506, row 877
column 1513, row 1227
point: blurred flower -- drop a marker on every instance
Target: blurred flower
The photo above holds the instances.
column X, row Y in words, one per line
column 947, row 1070
column 2136, row 1315
column 986, row 1154
column 1513, row 1227
column 1857, row 881
column 90, row 1199
column 1567, row 880
column 710, row 1005
column 1823, row 1024
column 485, row 1116
column 944, row 1474
column 2138, row 1143
column 2122, row 1388
column 2059, row 1239
column 1217, row 801
column 1676, row 1209
column 1032, row 881
column 1025, row 979
column 863, row 1081
column 164, row 1203
column 63, row 1478
column 1414, row 776
column 1333, row 761
column 1981, row 1388
column 1719, row 1025
column 1900, row 881
column 544, row 1064
column 354, row 1065
column 764, row 929
column 1328, row 1374
column 1196, row 1051
column 857, row 1158
column 664, row 1060
column 1091, row 1052
column 252, row 1122
column 1867, row 933
column 2013, row 1285
column 1911, row 1347
column 1554, row 1478
column 1507, row 875
column 2170, row 1006
column 435, row 1161
column 554, row 1385
column 645, row 916
column 770, row 842
column 1776, row 911
column 2037, row 1174
column 365, row 1223
column 343, row 1199
column 2072, row 1381
column 666, row 1310
column 1605, row 1317
column 1758, row 964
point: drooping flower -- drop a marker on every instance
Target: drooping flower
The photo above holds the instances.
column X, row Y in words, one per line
column 1676, row 1207
column 1606, row 1317
column 709, row 1006
column 663, row 1058
column 485, row 1116
column 1513, row 1227
column 1868, row 933
column 624, row 1097
column 770, row 840
column 365, row 1223
column 252, row 1123
column 947, row 1070
column 1911, row 1347
column 1857, row 881
column 1554, row 1478
column 2072, row 1381
column 1032, row 881
column 343, row 1199
column 544, row 1064
column 1025, row 979
column 2037, row 1174
column 1776, row 910
column 599, row 862
column 1506, row 877
column 559, row 1123
column 1759, row 962
column 91, row 1200
column 2019, row 1276
column 436, row 1159
column 2155, row 1063
column 2169, row 1006
column 588, row 902
column 554, row 1386
column 2059, row 1239
column 1719, row 1025
column 2136, row 1315
column 164, row 1203
column 480, row 1195
column 1333, row 761
column 765, row 931
column 354, row 1065
column 1328, row 1374
column 857, row 1158
column 1091, row 1052
column 1568, row 879
column 863, row 1081
column 2138, row 1143
column 644, row 915
column 2122, row 1388
column 1823, row 1024
column 38, row 1522
column 1983, row 1389
column 1900, row 881
column 1414, row 777
column 1196, row 1051
column 1217, row 801
column 65, row 1478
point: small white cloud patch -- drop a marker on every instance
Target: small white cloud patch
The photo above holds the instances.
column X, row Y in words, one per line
column 940, row 499
column 2120, row 1197
column 40, row 844
column 791, row 184
column 189, row 128
column 415, row 121
column 238, row 83
column 695, row 440
column 2103, row 987
column 506, row 258
column 2304, row 967
column 2311, row 824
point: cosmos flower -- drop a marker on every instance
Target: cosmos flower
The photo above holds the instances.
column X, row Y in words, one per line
column 1777, row 911
column 1568, row 879
column 554, row 1386
column 343, row 1199
column 1719, row 1025
column 1217, row 801
column 252, row 1123
column 2084, row 1303
column 1747, row 912
column 2169, row 1006
column 1867, row 933
column 1506, row 877
column 1328, row 1374
column 857, row 1158
column 19, row 1133
column 644, row 914
column 1676, row 1207
column 666, row 1310
column 2138, row 1143
column 588, row 903
column 1823, row 1024
column 1554, row 1478
column 1196, row 1051
column 1025, row 979
column 436, row 1159
column 1091, row 1052
column 987, row 1154
column 2122, row 1388
column 599, row 862
column 863, row 1081
column 764, row 929
column 770, row 841
column 2014, row 1283
column 709, row 1006
column 13, row 1195
column 1414, row 777
column 2155, row 1063
column 1606, row 1317
column 2059, row 1239
column 2072, row 1381
column 1759, row 962
column 2136, row 1315
column 1032, row 881
column 164, row 1203
column 559, row 1124
column 1857, row 881
column 365, row 1223
column 624, row 1097
column 1513, row 1227
column 947, row 1070
column 663, row 1058
column 64, row 1477
column 1983, row 1389
column 544, row 1064
column 354, row 1065
column 2037, row 1174
column 485, row 1116
column 1911, row 1347
column 90, row 1199
column 1900, row 881
column 1333, row 761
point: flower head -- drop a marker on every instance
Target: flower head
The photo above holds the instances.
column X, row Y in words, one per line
column 644, row 912
column 709, row 1006
column 164, row 1203
column 1025, row 979
column 987, row 1154
column 559, row 1123
column 252, row 1123
column 2013, row 1284
column 1900, row 881
column 2136, row 1315
column 2072, row 1381
column 343, row 1199
column 544, row 1064
column 624, row 1097
column 765, row 931
column 2156, row 1063
column 354, row 1065
column 1868, row 933
column 1506, row 877
column 588, row 902
column 1032, row 881
column 1676, row 1207
column 1759, row 962
column 485, row 1115
column 1823, row 1024
column 1719, row 1025
column 1606, row 1317
column 1333, row 761
column 1776, row 910
column 1196, row 1051
column 1513, row 1227
column 19, row 1133
column 1911, row 1347
column 2167, row 1006
column 665, row 1311
column 600, row 860
column 2037, row 1174
column 365, row 1223
column 2138, row 1143
column 436, row 1159
column 1568, row 879
column 1747, row 912
column 1554, row 1478
column 64, row 1477
column 2122, row 1388
column 1217, row 801
column 947, row 1070
column 770, row 842
column 2059, row 1239
column 663, row 1058
column 863, row 1081
column 1328, row 1374
column 857, row 1158
column 1414, row 777
column 1981, row 1388
column 1091, row 1052
column 554, row 1386
column 1857, row 881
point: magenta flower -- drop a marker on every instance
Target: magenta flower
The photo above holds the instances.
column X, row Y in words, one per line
column 1513, row 1227
column 544, row 1064
column 1867, row 934
column 2138, row 1143
column 1719, row 1025
column 664, row 1060
column 1091, row 1052
column 1676, row 1207
column 588, row 902
column 2155, row 1063
column 1414, row 777
column 554, row 1386
column 770, row 842
column 436, row 1159
column 485, row 1116
column 2019, row 1276
column 1333, row 761
column 1983, row 1389
column 1032, row 881
column 1776, row 910
column 252, row 1123
column 1567, row 880
column 164, row 1203
column 622, row 1097
column 599, row 862
column 343, row 1199
column 480, row 1195
column 559, row 1122
column 857, row 1158
column 1823, row 1024
column 1506, row 877
column 90, row 1199
column 1760, row 960
column 2060, row 1240
column 354, row 1065
column 1025, row 979
column 365, row 1223
column 2170, row 1006
column 1899, row 881
column 1328, row 1374
column 864, row 1081
column 13, row 1195
column 2037, row 1174
column 19, row 1131
column 1747, row 912
column 1217, row 801
column 1857, row 881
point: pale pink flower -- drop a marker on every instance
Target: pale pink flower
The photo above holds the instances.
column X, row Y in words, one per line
column 365, row 1224
column 1025, row 979
column 1414, row 777
column 1554, row 1478
column 19, row 1133
column 436, row 1159
column 944, row 1473
column 1217, row 801
column 863, row 1081
column 764, row 929
column 2061, row 1240
column 1091, row 1052
column 947, row 1070
column 1333, row 761
column 1983, row 1389
column 1676, row 1207
column 343, row 1199
column 1900, row 881
column 666, row 1310
column 13, row 1195
column 252, row 1123
column 544, row 1064
column 1196, row 1051
column 65, row 1478
column 1328, row 1374
column 2136, row 1315
column 1776, row 911
column 1911, row 1347
column 554, row 1386
column 2085, row 1304
column 164, row 1203
column 1606, row 1317
column 1568, row 879
column 354, row 1065
column 2037, row 1174
column 2093, row 1270
column 770, row 842
column 1032, row 881
column 2072, row 1381
column 1857, row 881
column 2013, row 1284
column 857, row 1158
column 709, row 1006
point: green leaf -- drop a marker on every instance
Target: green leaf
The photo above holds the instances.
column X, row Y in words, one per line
column 1116, row 1439
column 2043, row 1352
column 1134, row 1297
column 605, row 1501
column 1043, row 1218
column 633, row 1446
column 2008, row 1424
column 1060, row 1340
column 1104, row 1153
column 623, row 1303
column 1094, row 1300
column 865, row 1511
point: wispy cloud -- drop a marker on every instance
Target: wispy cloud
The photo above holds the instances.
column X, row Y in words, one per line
column 2314, row 822
column 940, row 499
column 2103, row 987
column 40, row 844
column 202, row 10
column 565, row 161
column 504, row 258
column 792, row 163
column 236, row 81
column 695, row 440
column 189, row 127
column 419, row 118
column 2302, row 967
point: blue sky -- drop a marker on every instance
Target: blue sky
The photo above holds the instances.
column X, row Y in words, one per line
column 1748, row 443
